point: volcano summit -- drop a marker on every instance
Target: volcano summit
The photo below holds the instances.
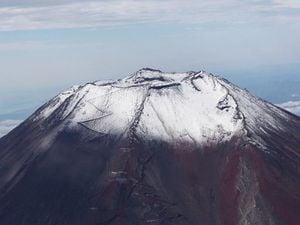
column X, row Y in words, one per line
column 154, row 148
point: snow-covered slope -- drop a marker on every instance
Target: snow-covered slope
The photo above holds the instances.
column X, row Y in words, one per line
column 192, row 106
column 153, row 148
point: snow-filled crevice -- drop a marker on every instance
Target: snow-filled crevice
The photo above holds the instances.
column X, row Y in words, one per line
column 192, row 80
column 223, row 104
column 137, row 117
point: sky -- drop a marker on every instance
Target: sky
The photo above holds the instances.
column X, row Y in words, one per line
column 48, row 45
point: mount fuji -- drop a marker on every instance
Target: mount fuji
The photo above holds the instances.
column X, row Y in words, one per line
column 153, row 148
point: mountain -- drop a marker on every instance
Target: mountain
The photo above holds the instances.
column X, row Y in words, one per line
column 154, row 148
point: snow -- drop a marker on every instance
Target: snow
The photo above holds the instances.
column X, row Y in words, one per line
column 58, row 101
column 194, row 107
column 186, row 114
column 108, row 109
column 256, row 113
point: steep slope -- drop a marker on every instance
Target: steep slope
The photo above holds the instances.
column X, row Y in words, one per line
column 153, row 148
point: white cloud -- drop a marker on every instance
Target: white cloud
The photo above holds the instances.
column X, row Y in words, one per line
column 30, row 45
column 291, row 4
column 21, row 45
column 73, row 14
column 292, row 106
column 7, row 125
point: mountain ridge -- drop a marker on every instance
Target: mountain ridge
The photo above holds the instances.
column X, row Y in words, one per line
column 164, row 80
column 153, row 148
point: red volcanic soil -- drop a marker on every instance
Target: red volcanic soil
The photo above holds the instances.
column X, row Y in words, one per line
column 80, row 180
column 278, row 186
column 229, row 199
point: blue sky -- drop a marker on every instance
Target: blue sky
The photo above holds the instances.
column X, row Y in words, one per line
column 46, row 46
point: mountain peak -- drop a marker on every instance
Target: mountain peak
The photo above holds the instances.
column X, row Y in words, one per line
column 192, row 106
column 149, row 69
column 189, row 106
column 147, row 74
column 153, row 148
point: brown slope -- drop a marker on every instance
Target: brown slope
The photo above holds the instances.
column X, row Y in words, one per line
column 82, row 179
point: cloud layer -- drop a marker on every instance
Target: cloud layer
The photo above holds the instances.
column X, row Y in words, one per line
column 33, row 14
column 292, row 106
column 7, row 125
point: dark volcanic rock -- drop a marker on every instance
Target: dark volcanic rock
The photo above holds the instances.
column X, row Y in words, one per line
column 76, row 161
